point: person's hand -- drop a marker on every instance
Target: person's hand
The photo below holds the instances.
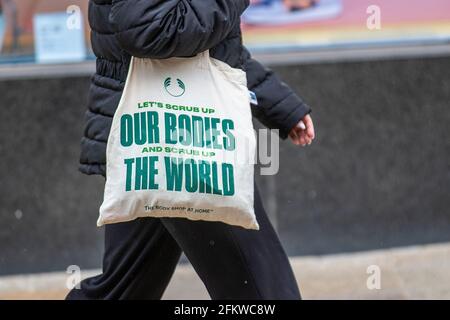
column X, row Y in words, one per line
column 303, row 133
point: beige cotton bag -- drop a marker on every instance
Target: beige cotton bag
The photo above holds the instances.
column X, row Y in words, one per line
column 181, row 144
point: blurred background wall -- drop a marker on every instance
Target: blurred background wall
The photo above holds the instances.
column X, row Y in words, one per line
column 377, row 176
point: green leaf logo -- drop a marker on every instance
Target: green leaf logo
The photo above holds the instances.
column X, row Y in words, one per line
column 175, row 90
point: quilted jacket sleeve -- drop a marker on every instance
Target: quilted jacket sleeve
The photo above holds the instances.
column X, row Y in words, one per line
column 173, row 28
column 278, row 106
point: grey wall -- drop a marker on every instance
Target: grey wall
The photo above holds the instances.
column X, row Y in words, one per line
column 379, row 173
column 41, row 124
column 377, row 176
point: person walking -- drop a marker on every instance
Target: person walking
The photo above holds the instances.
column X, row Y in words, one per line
column 141, row 255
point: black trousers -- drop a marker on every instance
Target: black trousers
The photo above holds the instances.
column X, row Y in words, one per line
column 233, row 263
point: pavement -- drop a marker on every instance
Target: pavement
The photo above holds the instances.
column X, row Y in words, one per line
column 417, row 272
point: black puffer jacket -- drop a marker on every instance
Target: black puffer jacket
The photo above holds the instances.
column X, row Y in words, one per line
column 166, row 28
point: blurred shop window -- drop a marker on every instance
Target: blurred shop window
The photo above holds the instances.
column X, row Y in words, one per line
column 44, row 31
column 2, row 26
column 274, row 26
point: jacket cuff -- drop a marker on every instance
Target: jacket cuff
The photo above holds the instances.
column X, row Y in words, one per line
column 293, row 118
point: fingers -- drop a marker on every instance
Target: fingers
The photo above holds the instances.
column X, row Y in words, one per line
column 309, row 126
column 294, row 137
column 304, row 138
column 303, row 133
column 303, row 141
column 301, row 125
column 310, row 132
column 307, row 120
column 299, row 137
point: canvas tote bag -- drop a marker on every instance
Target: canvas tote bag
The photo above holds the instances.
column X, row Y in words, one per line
column 181, row 144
